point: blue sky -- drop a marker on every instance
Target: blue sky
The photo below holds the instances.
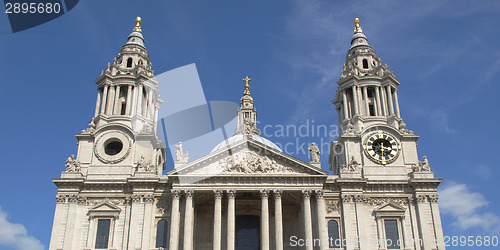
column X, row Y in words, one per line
column 445, row 53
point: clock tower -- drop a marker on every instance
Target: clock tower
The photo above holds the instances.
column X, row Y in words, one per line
column 374, row 141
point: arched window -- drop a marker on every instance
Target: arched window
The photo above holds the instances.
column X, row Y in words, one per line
column 161, row 233
column 129, row 62
column 333, row 234
column 365, row 64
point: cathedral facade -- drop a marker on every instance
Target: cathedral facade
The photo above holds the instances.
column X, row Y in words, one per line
column 246, row 193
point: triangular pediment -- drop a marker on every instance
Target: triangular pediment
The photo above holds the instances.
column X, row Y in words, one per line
column 389, row 209
column 105, row 207
column 248, row 157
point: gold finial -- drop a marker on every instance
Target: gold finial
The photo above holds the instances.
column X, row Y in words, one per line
column 247, row 87
column 357, row 28
column 138, row 22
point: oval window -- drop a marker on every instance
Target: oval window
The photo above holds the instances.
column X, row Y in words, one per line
column 113, row 147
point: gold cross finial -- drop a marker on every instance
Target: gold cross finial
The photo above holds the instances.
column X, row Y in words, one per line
column 138, row 22
column 247, row 87
column 357, row 28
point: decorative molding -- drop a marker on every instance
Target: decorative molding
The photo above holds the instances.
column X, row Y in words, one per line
column 278, row 193
column 231, row 194
column 319, row 194
column 347, row 198
column 384, row 200
column 332, row 205
column 421, row 198
column 264, row 193
column 189, row 193
column 433, row 198
column 306, row 194
column 176, row 194
column 99, row 146
column 218, row 194
column 251, row 162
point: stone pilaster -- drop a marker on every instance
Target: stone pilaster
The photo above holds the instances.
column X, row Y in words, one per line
column 278, row 219
column 264, row 220
column 306, row 212
column 217, row 219
column 175, row 220
column 231, row 220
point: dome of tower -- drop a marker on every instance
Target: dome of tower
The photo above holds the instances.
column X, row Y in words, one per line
column 136, row 38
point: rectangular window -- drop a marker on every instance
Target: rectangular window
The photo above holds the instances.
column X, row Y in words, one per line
column 391, row 234
column 102, row 236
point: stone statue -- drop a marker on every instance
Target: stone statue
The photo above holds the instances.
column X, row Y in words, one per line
column 314, row 151
column 349, row 127
column 424, row 165
column 143, row 165
column 352, row 165
column 180, row 155
column 72, row 165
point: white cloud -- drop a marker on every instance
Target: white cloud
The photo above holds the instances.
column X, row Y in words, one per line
column 16, row 236
column 463, row 205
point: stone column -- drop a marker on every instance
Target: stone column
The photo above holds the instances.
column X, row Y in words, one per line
column 127, row 222
column 344, row 106
column 111, row 94
column 139, row 100
column 174, row 220
column 189, row 220
column 148, row 220
column 129, row 98
column 155, row 121
column 436, row 218
column 150, row 104
column 389, row 98
column 355, row 99
column 306, row 213
column 338, row 115
column 350, row 231
column 423, row 221
column 70, row 221
column 264, row 220
column 134, row 220
column 117, row 101
column 133, row 111
column 361, row 108
column 104, row 99
column 365, row 96
column 379, row 106
column 97, row 103
column 384, row 102
column 322, row 225
column 278, row 219
column 231, row 220
column 217, row 220
column 396, row 104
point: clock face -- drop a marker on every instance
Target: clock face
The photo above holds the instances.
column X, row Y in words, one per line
column 382, row 148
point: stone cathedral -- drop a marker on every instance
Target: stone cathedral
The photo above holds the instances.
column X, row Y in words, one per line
column 246, row 193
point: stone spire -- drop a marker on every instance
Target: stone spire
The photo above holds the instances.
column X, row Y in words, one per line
column 367, row 92
column 247, row 115
column 128, row 91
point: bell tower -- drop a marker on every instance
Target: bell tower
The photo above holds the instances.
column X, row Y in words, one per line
column 374, row 140
column 121, row 139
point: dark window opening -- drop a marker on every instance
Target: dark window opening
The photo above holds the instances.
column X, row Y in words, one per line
column 333, row 234
column 247, row 194
column 113, row 148
column 102, row 236
column 124, row 107
column 372, row 110
column 365, row 64
column 161, row 234
column 391, row 234
column 369, row 93
column 129, row 63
